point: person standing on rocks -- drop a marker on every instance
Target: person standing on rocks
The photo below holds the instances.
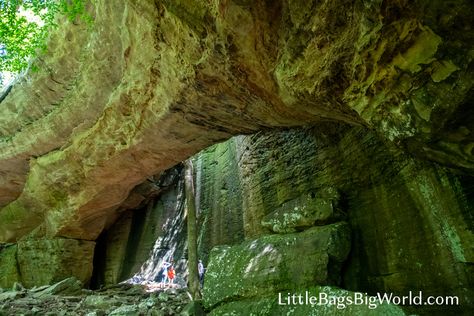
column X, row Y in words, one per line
column 201, row 271
column 163, row 273
column 171, row 275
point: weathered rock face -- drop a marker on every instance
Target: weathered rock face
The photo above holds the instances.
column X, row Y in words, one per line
column 218, row 197
column 137, row 242
column 47, row 261
column 9, row 265
column 271, row 264
column 153, row 82
column 284, row 305
column 411, row 221
column 303, row 212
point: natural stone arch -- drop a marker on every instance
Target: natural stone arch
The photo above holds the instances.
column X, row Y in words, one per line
column 155, row 81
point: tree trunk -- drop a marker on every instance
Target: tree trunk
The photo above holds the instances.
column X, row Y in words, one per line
column 193, row 275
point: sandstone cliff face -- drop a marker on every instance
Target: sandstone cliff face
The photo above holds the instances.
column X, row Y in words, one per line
column 411, row 221
column 153, row 82
column 137, row 242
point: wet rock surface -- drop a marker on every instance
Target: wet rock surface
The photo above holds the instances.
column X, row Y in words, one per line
column 66, row 298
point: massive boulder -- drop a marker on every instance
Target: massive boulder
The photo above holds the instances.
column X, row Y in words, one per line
column 273, row 263
column 314, row 301
column 149, row 83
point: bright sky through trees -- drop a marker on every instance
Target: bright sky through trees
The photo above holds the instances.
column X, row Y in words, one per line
column 7, row 76
column 24, row 26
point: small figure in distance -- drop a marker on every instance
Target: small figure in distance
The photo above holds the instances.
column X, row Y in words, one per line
column 162, row 275
column 171, row 275
column 201, row 271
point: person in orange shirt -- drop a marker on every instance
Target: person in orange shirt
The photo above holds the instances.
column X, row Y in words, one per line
column 171, row 274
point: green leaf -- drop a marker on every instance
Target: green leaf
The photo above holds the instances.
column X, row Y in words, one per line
column 21, row 39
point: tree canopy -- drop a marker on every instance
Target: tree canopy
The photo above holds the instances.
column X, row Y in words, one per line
column 24, row 26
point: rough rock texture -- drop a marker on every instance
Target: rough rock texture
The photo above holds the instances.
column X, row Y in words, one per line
column 137, row 242
column 303, row 212
column 119, row 300
column 8, row 265
column 218, row 197
column 270, row 264
column 273, row 305
column 46, row 261
column 153, row 82
column 412, row 221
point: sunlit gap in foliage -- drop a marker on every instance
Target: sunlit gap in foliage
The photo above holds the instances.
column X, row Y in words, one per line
column 24, row 27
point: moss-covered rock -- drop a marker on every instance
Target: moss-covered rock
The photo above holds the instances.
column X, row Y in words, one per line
column 219, row 197
column 334, row 301
column 47, row 261
column 8, row 265
column 276, row 262
column 407, row 216
column 303, row 212
column 158, row 81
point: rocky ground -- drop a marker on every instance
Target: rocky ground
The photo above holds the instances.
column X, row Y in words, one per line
column 68, row 298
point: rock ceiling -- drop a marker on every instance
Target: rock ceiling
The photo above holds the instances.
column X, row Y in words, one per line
column 152, row 82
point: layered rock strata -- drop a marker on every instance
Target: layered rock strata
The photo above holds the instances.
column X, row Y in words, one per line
column 152, row 82
column 411, row 220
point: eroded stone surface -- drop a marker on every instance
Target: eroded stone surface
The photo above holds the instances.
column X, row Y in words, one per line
column 154, row 82
column 303, row 212
column 274, row 304
column 46, row 261
column 267, row 264
column 137, row 242
column 407, row 216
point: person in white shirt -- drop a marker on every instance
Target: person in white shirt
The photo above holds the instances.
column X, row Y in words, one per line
column 201, row 271
column 163, row 273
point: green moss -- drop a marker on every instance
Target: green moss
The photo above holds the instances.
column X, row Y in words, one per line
column 267, row 264
column 421, row 52
column 59, row 258
column 302, row 212
column 16, row 219
column 442, row 70
column 193, row 13
column 270, row 305
column 8, row 266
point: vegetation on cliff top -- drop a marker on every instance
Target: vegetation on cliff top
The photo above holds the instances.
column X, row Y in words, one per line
column 24, row 27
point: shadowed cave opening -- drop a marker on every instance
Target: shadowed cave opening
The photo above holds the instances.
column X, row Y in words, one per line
column 290, row 169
